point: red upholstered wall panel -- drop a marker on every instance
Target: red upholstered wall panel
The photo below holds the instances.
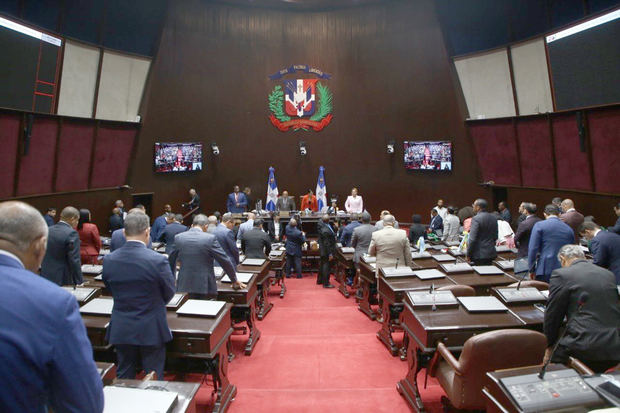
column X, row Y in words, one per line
column 497, row 151
column 37, row 168
column 9, row 135
column 604, row 126
column 536, row 152
column 112, row 154
column 572, row 165
column 74, row 150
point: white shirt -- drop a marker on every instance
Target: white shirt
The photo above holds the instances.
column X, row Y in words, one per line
column 11, row 255
column 354, row 204
column 246, row 226
column 442, row 212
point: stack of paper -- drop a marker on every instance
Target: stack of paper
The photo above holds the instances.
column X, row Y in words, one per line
column 244, row 277
column 201, row 308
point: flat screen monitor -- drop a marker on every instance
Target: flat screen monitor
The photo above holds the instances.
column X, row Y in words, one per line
column 178, row 157
column 428, row 155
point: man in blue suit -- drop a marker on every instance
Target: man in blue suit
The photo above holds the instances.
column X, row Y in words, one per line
column 196, row 249
column 160, row 223
column 49, row 216
column 169, row 233
column 605, row 247
column 294, row 240
column 237, row 201
column 45, row 357
column 142, row 284
column 347, row 232
column 62, row 264
column 548, row 236
column 224, row 235
column 118, row 239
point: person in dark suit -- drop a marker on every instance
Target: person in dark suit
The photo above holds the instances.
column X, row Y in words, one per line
column 547, row 238
column 294, row 240
column 593, row 333
column 327, row 249
column 46, row 358
column 141, row 283
column 256, row 243
column 416, row 230
column 173, row 228
column 605, row 247
column 347, row 231
column 90, row 241
column 482, row 235
column 362, row 235
column 504, row 212
column 62, row 264
column 436, row 225
column 616, row 228
column 49, row 216
column 116, row 220
column 275, row 228
column 236, row 202
column 224, row 235
column 160, row 223
column 247, row 191
column 194, row 202
column 285, row 202
column 197, row 249
column 571, row 217
column 524, row 230
column 522, row 214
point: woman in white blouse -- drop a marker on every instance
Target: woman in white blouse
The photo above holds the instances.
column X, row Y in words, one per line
column 354, row 203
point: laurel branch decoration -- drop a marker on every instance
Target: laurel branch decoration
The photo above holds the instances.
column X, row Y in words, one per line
column 276, row 98
column 324, row 105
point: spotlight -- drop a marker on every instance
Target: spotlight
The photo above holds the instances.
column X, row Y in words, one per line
column 302, row 148
column 390, row 147
column 215, row 149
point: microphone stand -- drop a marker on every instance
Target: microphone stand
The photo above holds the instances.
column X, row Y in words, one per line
column 432, row 292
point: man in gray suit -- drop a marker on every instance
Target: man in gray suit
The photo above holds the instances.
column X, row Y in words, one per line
column 390, row 245
column 451, row 226
column 62, row 264
column 196, row 249
column 586, row 295
column 256, row 243
column 482, row 235
column 225, row 237
column 361, row 238
column 285, row 203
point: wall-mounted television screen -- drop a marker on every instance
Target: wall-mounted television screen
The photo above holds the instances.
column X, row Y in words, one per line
column 178, row 157
column 430, row 155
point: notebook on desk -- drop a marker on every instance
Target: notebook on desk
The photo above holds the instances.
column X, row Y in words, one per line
column 201, row 308
column 368, row 259
column 487, row 270
column 443, row 257
column 525, row 294
column 503, row 248
column 347, row 250
column 218, row 271
column 429, row 274
column 175, row 301
column 482, row 304
column 456, row 267
column 244, row 277
column 253, row 261
column 437, row 247
column 98, row 306
column 428, row 299
column 505, row 264
column 80, row 293
column 418, row 255
column 276, row 253
column 92, row 269
column 403, row 271
column 131, row 400
column 452, row 243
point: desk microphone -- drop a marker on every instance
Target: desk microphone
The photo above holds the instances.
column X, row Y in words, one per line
column 583, row 298
column 432, row 292
column 525, row 273
column 396, row 263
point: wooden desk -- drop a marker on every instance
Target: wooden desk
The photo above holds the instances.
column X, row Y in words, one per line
column 263, row 305
column 424, row 328
column 344, row 262
column 198, row 345
column 482, row 283
column 392, row 292
column 107, row 371
column 366, row 280
column 244, row 307
column 83, row 294
column 277, row 266
column 186, row 391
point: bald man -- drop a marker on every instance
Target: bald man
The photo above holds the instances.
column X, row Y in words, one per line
column 160, row 223
column 45, row 355
column 62, row 264
column 571, row 217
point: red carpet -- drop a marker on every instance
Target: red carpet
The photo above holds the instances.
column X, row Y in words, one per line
column 317, row 353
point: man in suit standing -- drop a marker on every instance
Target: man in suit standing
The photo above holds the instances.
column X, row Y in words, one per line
column 390, row 246
column 194, row 202
column 524, row 230
column 571, row 217
column 416, row 230
column 247, row 191
column 362, row 235
column 246, row 226
column 547, row 238
column 587, row 294
column 616, row 228
column 442, row 211
column 605, row 247
column 256, row 243
column 275, row 228
column 121, row 207
column 294, row 240
column 436, row 225
column 141, row 283
column 46, row 358
column 116, row 220
column 118, row 239
column 225, row 237
column 236, row 202
column 160, row 223
column 285, row 203
column 169, row 233
column 482, row 235
column 504, row 212
column 347, row 231
column 196, row 249
column 62, row 264
column 309, row 202
column 327, row 249
column 451, row 226
column 49, row 216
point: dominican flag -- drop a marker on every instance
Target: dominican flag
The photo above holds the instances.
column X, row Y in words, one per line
column 272, row 191
column 321, row 189
column 300, row 97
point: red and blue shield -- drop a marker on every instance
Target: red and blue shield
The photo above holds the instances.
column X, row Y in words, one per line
column 300, row 97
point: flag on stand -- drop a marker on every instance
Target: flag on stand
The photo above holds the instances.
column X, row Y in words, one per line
column 321, row 189
column 272, row 191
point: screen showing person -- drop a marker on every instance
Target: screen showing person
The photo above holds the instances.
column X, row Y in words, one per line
column 178, row 157
column 432, row 155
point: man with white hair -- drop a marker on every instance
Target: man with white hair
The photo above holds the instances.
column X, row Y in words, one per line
column 390, row 245
column 45, row 355
column 586, row 295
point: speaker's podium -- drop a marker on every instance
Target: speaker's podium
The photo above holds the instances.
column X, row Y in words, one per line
column 520, row 390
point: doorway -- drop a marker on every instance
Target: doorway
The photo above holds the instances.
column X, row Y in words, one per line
column 145, row 199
